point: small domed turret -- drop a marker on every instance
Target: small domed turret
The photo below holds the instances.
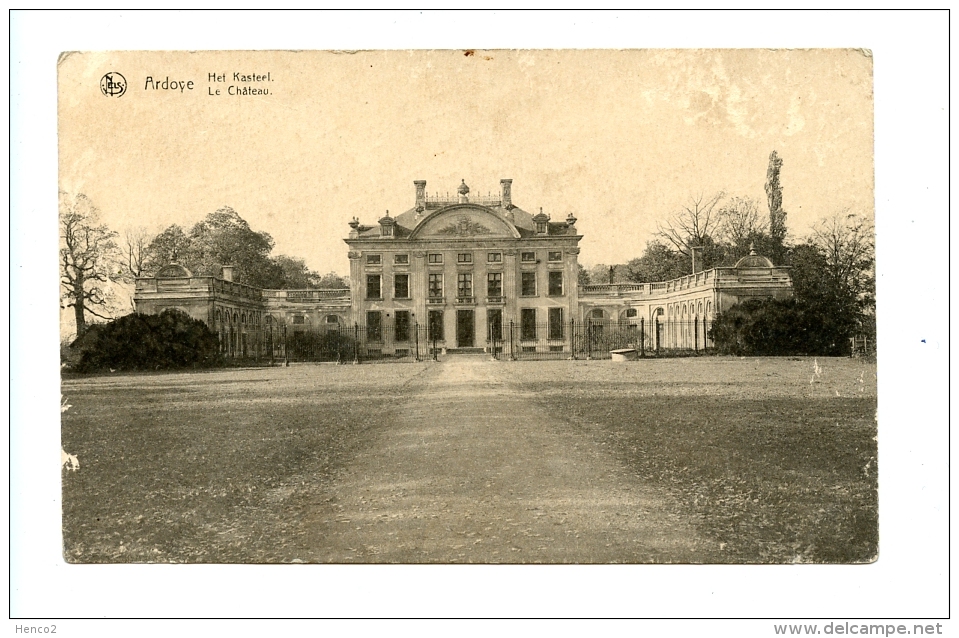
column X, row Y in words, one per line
column 753, row 260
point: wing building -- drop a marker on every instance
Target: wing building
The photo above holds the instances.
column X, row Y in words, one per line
column 463, row 273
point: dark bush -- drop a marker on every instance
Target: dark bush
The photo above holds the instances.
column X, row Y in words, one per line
column 169, row 340
column 780, row 327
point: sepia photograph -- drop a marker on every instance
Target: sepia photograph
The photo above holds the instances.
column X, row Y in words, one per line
column 479, row 314
column 451, row 306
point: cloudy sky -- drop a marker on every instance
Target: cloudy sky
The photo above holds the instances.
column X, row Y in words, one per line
column 619, row 138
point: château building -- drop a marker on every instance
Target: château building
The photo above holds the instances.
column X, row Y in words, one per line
column 464, row 273
column 464, row 266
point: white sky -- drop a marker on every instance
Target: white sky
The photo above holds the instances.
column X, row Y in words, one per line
column 619, row 138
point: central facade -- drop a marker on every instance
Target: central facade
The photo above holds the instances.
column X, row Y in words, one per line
column 465, row 267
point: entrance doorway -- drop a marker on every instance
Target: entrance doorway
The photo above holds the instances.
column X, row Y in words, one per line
column 465, row 329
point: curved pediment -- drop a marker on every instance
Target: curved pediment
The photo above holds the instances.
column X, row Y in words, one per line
column 461, row 221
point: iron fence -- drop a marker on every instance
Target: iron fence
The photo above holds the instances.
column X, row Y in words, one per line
column 599, row 340
column 409, row 342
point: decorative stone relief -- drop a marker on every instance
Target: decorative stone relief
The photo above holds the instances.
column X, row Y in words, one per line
column 465, row 227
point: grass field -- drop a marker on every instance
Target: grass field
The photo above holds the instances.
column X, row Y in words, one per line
column 775, row 459
column 201, row 467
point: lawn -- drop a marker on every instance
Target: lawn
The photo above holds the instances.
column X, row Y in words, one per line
column 775, row 458
column 200, row 467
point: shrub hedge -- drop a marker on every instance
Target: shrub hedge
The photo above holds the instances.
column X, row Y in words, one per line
column 780, row 327
column 169, row 340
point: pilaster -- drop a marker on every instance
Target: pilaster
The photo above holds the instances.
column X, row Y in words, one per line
column 357, row 287
column 420, row 287
column 510, row 290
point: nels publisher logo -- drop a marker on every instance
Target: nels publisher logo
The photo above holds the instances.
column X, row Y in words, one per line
column 113, row 84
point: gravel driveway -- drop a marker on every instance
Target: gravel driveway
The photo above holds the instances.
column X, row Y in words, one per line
column 470, row 470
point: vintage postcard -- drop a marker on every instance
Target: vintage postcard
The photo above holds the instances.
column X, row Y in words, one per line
column 467, row 306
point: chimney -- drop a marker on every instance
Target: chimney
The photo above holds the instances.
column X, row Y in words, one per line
column 228, row 273
column 506, row 186
column 696, row 252
column 420, row 193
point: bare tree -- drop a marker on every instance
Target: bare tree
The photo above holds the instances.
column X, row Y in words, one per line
column 694, row 225
column 88, row 252
column 136, row 241
column 848, row 243
column 740, row 221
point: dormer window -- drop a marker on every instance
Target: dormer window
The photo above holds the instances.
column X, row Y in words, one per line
column 387, row 224
column 542, row 223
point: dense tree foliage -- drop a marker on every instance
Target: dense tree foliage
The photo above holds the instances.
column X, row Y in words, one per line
column 658, row 263
column 833, row 297
column 172, row 244
column 169, row 340
column 331, row 280
column 224, row 238
column 774, row 196
column 779, row 327
column 295, row 273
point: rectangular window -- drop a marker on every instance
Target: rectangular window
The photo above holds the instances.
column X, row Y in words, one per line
column 402, row 325
column 527, row 326
column 401, row 286
column 494, row 258
column 528, row 257
column 464, row 284
column 434, row 258
column 299, row 319
column 436, row 285
column 494, row 284
column 494, row 324
column 373, row 287
column 555, row 255
column 464, row 258
column 374, row 325
column 556, row 283
column 373, row 260
column 555, row 323
column 528, row 282
column 435, row 326
column 401, row 259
